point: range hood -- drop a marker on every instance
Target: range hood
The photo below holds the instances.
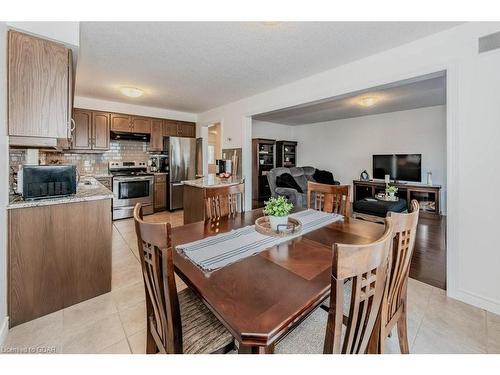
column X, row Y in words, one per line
column 130, row 136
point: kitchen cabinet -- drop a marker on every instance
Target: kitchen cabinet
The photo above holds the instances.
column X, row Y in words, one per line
column 120, row 123
column 160, row 192
column 130, row 124
column 100, row 131
column 156, row 142
column 170, row 128
column 186, row 129
column 91, row 130
column 141, row 124
column 82, row 133
column 40, row 90
column 179, row 129
column 62, row 260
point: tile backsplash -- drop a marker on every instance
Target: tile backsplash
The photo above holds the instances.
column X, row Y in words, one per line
column 86, row 163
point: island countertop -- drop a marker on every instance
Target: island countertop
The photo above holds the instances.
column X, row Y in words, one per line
column 212, row 180
column 88, row 189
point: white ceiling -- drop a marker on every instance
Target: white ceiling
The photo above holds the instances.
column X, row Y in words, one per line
column 418, row 92
column 196, row 66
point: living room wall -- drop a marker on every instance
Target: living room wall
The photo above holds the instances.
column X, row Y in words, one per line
column 279, row 132
column 472, row 136
column 345, row 147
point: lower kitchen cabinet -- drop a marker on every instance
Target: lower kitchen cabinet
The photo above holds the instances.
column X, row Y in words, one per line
column 160, row 192
column 62, row 260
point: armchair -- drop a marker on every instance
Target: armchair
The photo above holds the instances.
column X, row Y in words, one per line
column 301, row 176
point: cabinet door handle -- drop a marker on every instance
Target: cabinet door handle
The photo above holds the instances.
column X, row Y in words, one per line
column 73, row 125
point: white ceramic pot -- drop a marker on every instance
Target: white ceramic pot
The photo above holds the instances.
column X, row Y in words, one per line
column 277, row 220
column 391, row 194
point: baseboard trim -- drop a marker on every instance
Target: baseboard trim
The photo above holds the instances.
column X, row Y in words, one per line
column 4, row 330
column 475, row 300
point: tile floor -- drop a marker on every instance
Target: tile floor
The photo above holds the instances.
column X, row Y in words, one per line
column 115, row 322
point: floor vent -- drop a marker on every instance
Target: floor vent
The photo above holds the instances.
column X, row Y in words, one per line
column 489, row 42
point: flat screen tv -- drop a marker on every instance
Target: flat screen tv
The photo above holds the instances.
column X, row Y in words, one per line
column 402, row 167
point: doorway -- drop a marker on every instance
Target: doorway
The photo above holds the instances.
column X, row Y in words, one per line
column 214, row 147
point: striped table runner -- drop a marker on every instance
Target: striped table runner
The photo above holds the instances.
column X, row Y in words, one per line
column 218, row 251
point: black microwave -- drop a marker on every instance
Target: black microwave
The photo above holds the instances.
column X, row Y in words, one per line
column 46, row 181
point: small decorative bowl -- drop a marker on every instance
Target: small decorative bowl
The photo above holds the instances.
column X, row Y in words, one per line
column 263, row 226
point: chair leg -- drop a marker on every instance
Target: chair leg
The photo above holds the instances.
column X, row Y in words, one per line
column 375, row 345
column 151, row 347
column 403, row 333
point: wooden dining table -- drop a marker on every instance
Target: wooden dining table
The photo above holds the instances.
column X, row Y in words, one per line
column 261, row 298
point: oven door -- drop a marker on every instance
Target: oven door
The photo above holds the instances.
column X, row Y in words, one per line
column 128, row 191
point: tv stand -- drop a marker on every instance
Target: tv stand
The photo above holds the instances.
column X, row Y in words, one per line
column 427, row 196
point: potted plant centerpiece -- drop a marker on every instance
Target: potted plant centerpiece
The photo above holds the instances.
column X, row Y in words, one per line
column 391, row 190
column 278, row 210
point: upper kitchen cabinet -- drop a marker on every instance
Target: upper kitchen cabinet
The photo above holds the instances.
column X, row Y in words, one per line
column 179, row 129
column 39, row 90
column 91, row 130
column 130, row 124
column 141, row 125
column 121, row 123
column 187, row 129
column 170, row 128
column 100, row 131
column 82, row 133
column 156, row 142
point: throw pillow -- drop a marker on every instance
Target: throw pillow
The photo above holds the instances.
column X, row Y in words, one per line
column 323, row 177
column 301, row 180
column 286, row 180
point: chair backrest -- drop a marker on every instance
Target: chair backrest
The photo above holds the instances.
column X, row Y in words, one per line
column 271, row 178
column 224, row 201
column 367, row 266
column 404, row 231
column 329, row 198
column 162, row 302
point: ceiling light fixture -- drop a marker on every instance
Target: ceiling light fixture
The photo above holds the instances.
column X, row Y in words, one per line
column 132, row 92
column 368, row 101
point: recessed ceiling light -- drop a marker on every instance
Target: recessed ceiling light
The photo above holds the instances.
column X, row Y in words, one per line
column 368, row 101
column 132, row 92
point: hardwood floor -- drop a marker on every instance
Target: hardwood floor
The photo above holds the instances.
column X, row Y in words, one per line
column 429, row 257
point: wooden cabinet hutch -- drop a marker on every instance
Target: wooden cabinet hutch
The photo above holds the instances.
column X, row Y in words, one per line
column 263, row 160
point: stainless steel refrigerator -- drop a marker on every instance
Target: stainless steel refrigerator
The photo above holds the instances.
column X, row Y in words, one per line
column 182, row 166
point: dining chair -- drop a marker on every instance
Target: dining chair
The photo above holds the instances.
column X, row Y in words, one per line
column 329, row 198
column 394, row 303
column 224, row 201
column 366, row 266
column 176, row 322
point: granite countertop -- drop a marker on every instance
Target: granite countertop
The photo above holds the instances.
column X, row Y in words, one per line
column 213, row 181
column 96, row 175
column 88, row 189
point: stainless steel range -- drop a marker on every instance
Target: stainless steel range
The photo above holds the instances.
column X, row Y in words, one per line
column 131, row 184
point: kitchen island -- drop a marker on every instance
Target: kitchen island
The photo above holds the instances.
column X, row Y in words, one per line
column 59, row 251
column 194, row 194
